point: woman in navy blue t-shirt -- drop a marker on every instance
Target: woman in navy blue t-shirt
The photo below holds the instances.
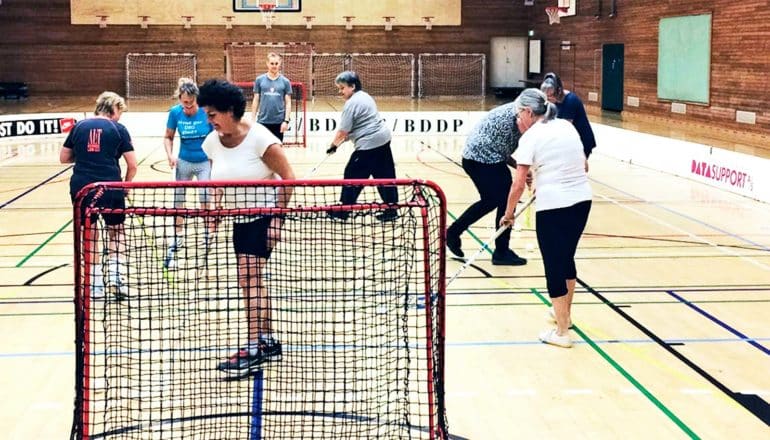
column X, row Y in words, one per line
column 571, row 108
column 95, row 145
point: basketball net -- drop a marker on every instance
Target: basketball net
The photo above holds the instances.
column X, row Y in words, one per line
column 553, row 12
column 268, row 14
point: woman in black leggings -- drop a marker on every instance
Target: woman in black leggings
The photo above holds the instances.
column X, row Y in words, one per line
column 552, row 149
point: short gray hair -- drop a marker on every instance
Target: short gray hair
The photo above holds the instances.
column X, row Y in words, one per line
column 186, row 85
column 350, row 79
column 536, row 101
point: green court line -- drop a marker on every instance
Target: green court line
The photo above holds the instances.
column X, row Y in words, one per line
column 670, row 414
column 37, row 249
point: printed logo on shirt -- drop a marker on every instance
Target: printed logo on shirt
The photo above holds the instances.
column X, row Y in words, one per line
column 66, row 124
column 94, row 140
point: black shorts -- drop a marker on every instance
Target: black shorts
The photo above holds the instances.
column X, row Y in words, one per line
column 276, row 130
column 111, row 199
column 251, row 238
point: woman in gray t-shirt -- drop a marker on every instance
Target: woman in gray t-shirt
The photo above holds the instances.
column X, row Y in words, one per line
column 361, row 123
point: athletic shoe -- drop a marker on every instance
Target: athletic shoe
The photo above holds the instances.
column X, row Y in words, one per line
column 208, row 240
column 338, row 215
column 118, row 289
column 387, row 215
column 243, row 363
column 115, row 284
column 552, row 338
column 507, row 258
column 552, row 317
column 170, row 262
column 97, row 292
column 97, row 283
column 454, row 244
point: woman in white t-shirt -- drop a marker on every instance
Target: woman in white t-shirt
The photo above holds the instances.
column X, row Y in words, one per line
column 552, row 149
column 241, row 151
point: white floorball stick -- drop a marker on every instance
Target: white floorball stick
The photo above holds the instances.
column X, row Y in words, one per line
column 316, row 167
column 489, row 243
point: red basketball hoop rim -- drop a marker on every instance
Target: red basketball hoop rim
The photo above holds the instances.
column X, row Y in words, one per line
column 554, row 13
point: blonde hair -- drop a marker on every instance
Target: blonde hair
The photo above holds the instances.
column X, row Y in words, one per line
column 107, row 102
column 186, row 85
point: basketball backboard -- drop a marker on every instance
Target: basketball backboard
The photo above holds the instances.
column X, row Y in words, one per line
column 280, row 5
column 571, row 6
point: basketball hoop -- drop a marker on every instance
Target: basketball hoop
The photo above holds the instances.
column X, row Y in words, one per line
column 268, row 14
column 553, row 12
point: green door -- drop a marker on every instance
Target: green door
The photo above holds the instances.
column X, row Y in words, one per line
column 612, row 77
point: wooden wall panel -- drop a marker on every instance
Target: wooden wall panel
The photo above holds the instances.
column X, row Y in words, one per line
column 740, row 44
column 41, row 47
column 55, row 57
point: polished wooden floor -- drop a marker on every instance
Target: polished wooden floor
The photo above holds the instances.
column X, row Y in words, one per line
column 672, row 335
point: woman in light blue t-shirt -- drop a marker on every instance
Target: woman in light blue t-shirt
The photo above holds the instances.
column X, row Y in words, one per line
column 191, row 122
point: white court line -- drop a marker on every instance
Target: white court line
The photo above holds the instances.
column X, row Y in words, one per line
column 521, row 392
column 578, row 391
column 722, row 249
column 697, row 391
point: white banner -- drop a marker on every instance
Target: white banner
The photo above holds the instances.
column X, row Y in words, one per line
column 42, row 124
column 325, row 123
column 735, row 172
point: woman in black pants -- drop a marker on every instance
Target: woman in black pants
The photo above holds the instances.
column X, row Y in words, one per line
column 361, row 123
column 553, row 150
column 486, row 157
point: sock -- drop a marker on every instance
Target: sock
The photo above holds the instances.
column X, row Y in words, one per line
column 113, row 269
column 97, row 279
column 253, row 347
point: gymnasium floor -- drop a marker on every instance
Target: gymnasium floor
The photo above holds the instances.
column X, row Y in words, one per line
column 671, row 334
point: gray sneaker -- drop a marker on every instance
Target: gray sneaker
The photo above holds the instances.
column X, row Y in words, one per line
column 243, row 363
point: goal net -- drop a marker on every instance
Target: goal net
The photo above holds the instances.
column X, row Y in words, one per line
column 385, row 74
column 245, row 61
column 156, row 75
column 357, row 305
column 296, row 136
column 451, row 74
column 326, row 67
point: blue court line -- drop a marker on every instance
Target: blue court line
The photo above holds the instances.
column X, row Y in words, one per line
column 256, row 406
column 692, row 219
column 720, row 323
column 478, row 344
column 35, row 187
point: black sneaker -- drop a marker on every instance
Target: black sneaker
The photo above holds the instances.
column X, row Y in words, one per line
column 507, row 258
column 243, row 363
column 387, row 215
column 454, row 244
column 338, row 215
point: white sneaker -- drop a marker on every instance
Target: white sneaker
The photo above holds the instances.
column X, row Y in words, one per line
column 552, row 317
column 97, row 292
column 170, row 263
column 552, row 338
column 117, row 287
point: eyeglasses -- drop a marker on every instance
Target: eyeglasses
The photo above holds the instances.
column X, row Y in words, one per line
column 519, row 112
